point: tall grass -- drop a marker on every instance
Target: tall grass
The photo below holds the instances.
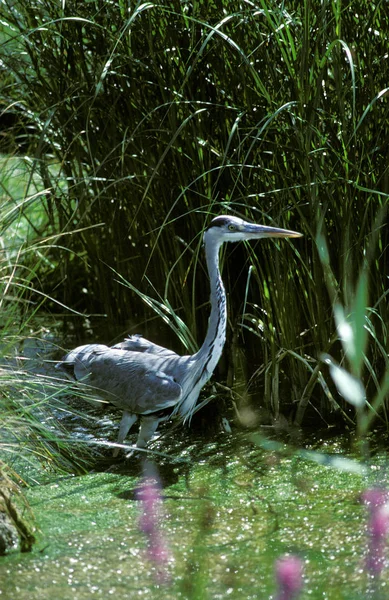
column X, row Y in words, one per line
column 146, row 118
column 31, row 397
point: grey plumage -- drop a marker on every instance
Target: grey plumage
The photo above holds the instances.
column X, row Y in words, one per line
column 149, row 381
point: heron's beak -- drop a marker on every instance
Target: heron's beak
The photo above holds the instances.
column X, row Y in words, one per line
column 263, row 231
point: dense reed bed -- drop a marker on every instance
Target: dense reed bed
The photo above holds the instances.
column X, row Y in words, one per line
column 135, row 122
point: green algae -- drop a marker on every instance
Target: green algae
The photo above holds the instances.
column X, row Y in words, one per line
column 228, row 516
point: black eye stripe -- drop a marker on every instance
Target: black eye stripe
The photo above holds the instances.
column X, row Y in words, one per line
column 223, row 222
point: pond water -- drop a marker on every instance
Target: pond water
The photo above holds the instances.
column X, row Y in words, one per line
column 231, row 507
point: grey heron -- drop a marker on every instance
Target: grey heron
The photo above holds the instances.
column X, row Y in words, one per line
column 151, row 382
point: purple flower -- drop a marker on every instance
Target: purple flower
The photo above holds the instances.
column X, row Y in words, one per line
column 289, row 576
column 376, row 501
column 149, row 494
column 374, row 497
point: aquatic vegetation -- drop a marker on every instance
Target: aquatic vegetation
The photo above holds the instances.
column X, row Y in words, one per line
column 225, row 517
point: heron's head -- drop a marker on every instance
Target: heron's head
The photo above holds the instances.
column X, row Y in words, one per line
column 232, row 229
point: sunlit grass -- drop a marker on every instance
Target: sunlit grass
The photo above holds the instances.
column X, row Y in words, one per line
column 31, row 397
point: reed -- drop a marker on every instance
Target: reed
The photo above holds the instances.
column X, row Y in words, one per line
column 32, row 399
column 141, row 120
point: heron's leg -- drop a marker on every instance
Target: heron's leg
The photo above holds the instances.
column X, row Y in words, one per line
column 147, row 429
column 128, row 419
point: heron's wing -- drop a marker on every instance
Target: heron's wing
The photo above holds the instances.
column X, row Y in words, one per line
column 138, row 382
column 137, row 343
column 75, row 363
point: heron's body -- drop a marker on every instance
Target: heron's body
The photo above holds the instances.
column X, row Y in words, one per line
column 150, row 381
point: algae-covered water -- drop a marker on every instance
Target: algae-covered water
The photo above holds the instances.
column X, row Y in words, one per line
column 230, row 509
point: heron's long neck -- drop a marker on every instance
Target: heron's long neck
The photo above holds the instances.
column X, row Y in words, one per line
column 211, row 350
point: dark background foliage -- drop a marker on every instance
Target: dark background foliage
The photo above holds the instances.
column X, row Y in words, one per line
column 142, row 120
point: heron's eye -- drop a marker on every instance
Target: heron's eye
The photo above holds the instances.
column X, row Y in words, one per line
column 232, row 227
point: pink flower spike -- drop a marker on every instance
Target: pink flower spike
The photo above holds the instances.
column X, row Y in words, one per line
column 379, row 522
column 149, row 495
column 378, row 528
column 374, row 497
column 289, row 576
